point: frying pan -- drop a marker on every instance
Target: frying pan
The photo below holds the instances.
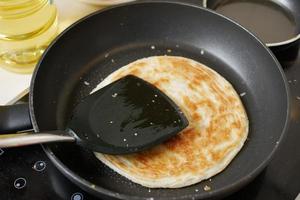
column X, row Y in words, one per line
column 88, row 51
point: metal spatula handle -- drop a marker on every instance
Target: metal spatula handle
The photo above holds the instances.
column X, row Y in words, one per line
column 24, row 139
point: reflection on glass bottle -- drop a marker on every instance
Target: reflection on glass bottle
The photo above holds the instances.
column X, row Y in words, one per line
column 26, row 28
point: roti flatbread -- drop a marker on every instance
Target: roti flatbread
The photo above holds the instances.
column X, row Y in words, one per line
column 218, row 124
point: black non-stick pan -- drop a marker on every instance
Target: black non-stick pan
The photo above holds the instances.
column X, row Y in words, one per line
column 88, row 51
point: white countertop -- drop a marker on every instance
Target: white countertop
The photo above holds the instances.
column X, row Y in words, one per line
column 14, row 86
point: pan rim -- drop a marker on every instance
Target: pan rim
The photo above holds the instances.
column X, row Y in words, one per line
column 96, row 190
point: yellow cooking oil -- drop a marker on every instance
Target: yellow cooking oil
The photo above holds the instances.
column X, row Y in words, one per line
column 26, row 29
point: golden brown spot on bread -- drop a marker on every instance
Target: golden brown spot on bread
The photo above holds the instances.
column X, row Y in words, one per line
column 182, row 64
column 222, row 108
column 196, row 117
column 164, row 80
column 215, row 131
column 142, row 158
column 231, row 99
column 161, row 82
column 181, row 141
column 135, row 72
column 216, row 156
column 237, row 124
column 120, row 163
column 199, row 78
column 219, row 93
column 192, row 86
column 191, row 105
column 140, row 64
column 207, row 103
column 173, row 142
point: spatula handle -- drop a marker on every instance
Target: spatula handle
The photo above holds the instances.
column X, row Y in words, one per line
column 25, row 139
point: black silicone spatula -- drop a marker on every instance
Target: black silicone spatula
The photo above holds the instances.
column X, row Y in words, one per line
column 126, row 116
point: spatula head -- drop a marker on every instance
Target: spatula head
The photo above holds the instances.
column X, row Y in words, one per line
column 126, row 116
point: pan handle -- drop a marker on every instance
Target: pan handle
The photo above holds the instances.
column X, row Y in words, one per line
column 14, row 118
column 24, row 139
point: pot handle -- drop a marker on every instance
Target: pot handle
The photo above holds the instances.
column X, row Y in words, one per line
column 14, row 118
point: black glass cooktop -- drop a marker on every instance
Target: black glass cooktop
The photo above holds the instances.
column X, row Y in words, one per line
column 27, row 174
